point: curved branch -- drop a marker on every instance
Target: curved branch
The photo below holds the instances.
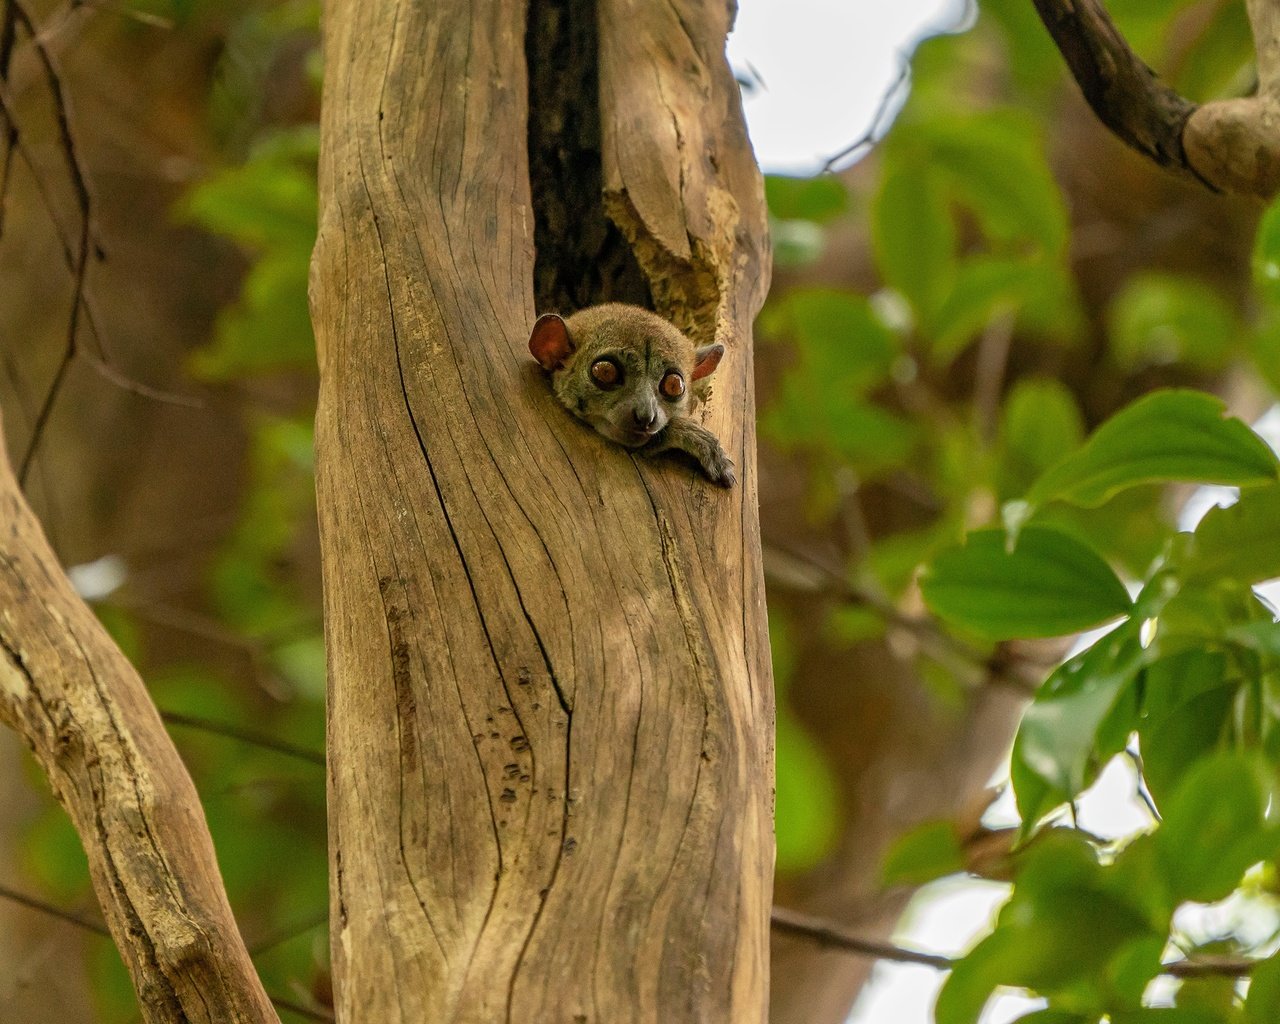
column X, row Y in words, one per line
column 1228, row 145
column 86, row 715
column 1126, row 95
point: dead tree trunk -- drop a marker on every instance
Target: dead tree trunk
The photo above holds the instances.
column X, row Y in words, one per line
column 550, row 704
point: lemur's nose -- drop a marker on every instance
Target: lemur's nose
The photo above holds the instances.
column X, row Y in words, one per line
column 645, row 417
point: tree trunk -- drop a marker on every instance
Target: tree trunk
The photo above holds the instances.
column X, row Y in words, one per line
column 550, row 702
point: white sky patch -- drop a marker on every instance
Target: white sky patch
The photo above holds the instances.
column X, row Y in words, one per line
column 100, row 578
column 819, row 69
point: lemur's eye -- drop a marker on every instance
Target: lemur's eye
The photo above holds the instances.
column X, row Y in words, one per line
column 606, row 373
column 672, row 385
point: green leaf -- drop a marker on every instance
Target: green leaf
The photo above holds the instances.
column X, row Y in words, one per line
column 1034, row 292
column 820, row 199
column 843, row 351
column 1220, row 59
column 1266, row 254
column 807, row 811
column 1215, row 827
column 1049, row 584
column 1032, row 58
column 996, row 165
column 1262, row 1006
column 269, row 201
column 927, row 852
column 1039, row 425
column 914, row 237
column 839, row 337
column 971, row 982
column 1130, row 529
column 1060, row 933
column 1263, row 344
column 1166, row 1015
column 1057, row 743
column 1214, row 996
column 1187, row 708
column 1241, row 542
column 1167, row 318
column 1263, row 637
column 1171, row 435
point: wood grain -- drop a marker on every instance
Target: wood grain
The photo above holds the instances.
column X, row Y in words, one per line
column 86, row 715
column 549, row 702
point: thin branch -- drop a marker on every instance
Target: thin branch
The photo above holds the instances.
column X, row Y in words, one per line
column 250, row 736
column 31, row 903
column 280, row 936
column 100, row 362
column 8, row 37
column 835, row 936
column 989, row 374
column 1003, row 667
column 874, row 131
column 1127, row 96
column 302, row 1011
column 80, row 184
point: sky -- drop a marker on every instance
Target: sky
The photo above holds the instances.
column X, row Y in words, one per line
column 820, row 68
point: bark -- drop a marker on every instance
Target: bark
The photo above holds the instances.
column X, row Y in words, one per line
column 1125, row 94
column 550, row 703
column 1229, row 145
column 85, row 714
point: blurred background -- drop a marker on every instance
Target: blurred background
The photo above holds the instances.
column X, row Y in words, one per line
column 953, row 308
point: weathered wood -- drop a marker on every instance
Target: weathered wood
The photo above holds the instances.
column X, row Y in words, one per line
column 549, row 698
column 1126, row 95
column 87, row 717
column 1230, row 145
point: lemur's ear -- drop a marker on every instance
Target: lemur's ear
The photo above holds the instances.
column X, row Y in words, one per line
column 550, row 342
column 707, row 359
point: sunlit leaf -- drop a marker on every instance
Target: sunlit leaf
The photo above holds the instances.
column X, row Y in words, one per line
column 1172, row 435
column 1049, row 584
column 1215, row 827
column 1241, row 542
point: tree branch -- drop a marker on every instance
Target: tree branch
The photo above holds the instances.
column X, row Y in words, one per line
column 1228, row 145
column 835, row 936
column 85, row 713
column 1126, row 95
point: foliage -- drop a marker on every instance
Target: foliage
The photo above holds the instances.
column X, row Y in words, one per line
column 1045, row 508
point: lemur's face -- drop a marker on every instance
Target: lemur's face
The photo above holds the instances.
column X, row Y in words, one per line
column 628, row 393
column 623, row 370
